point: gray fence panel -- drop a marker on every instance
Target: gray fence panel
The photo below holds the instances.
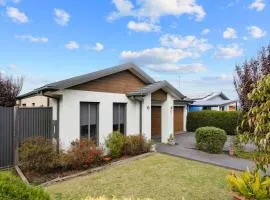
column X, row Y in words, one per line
column 28, row 122
column 34, row 122
column 6, row 136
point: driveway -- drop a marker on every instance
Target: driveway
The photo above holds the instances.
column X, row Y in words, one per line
column 186, row 149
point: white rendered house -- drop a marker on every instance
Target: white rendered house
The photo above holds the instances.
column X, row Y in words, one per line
column 121, row 98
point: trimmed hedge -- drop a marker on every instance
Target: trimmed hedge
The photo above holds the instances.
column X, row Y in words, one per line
column 11, row 187
column 224, row 120
column 210, row 139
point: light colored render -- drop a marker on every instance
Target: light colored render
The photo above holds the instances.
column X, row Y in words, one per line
column 39, row 101
column 70, row 114
column 167, row 119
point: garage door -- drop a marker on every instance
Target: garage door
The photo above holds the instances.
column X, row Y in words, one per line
column 178, row 119
column 156, row 120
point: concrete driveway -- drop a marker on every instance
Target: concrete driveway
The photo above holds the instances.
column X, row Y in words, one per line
column 186, row 149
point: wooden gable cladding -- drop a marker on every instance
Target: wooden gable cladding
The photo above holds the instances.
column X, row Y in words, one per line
column 159, row 95
column 121, row 82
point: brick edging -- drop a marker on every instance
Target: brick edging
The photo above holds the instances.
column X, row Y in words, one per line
column 97, row 169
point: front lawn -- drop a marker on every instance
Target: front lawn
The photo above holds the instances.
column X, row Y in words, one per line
column 156, row 177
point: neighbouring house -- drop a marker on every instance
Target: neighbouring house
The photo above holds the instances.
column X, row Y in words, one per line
column 214, row 101
column 122, row 98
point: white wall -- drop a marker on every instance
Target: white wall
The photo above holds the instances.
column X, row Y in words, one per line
column 146, row 116
column 70, row 114
column 39, row 101
column 167, row 110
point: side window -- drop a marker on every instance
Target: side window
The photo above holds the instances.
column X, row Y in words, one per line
column 89, row 121
column 119, row 117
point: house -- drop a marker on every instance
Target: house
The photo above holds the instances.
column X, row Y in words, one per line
column 122, row 98
column 214, row 101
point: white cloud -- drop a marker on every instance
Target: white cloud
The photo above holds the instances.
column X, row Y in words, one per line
column 224, row 77
column 61, row 17
column 258, row 5
column 16, row 1
column 255, row 32
column 12, row 66
column 154, row 9
column 16, row 15
column 143, row 27
column 32, row 38
column 190, row 42
column 155, row 56
column 98, row 47
column 230, row 33
column 175, row 68
column 205, row 31
column 228, row 52
column 72, row 45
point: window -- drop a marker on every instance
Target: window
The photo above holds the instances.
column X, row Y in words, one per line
column 24, row 105
column 119, row 117
column 89, row 121
column 33, row 104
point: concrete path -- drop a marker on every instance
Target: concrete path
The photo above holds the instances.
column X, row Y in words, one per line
column 186, row 149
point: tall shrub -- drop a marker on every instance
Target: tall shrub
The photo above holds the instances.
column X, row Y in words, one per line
column 115, row 143
column 227, row 121
column 38, row 154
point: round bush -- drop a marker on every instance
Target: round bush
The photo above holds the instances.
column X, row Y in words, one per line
column 210, row 139
column 115, row 142
column 11, row 187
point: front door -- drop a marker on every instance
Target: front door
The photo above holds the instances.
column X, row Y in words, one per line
column 156, row 121
column 178, row 119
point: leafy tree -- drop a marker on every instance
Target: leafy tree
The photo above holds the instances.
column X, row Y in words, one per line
column 9, row 89
column 259, row 118
column 248, row 74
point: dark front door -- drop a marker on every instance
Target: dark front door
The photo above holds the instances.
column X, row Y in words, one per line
column 156, row 121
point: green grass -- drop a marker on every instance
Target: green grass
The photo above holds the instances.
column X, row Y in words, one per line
column 250, row 155
column 157, row 177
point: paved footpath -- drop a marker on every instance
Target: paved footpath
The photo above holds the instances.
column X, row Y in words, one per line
column 186, row 149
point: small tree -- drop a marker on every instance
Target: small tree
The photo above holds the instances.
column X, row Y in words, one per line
column 248, row 74
column 9, row 89
column 259, row 118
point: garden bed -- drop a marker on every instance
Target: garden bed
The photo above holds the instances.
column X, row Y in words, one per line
column 36, row 178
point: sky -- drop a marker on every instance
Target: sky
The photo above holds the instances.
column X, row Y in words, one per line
column 193, row 44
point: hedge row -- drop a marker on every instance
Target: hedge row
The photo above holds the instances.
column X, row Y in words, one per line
column 227, row 121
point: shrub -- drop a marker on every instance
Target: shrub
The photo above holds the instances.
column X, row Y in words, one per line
column 11, row 187
column 115, row 142
column 135, row 145
column 38, row 154
column 82, row 154
column 227, row 121
column 250, row 185
column 210, row 139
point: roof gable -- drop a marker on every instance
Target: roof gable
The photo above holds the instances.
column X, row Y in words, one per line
column 67, row 83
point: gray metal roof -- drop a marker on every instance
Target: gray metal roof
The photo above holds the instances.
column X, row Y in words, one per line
column 99, row 74
column 207, row 96
column 67, row 83
column 156, row 86
column 213, row 103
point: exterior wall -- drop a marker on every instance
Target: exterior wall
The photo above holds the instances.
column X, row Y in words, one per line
column 146, row 116
column 167, row 119
column 39, row 101
column 159, row 95
column 215, row 108
column 70, row 114
column 126, row 82
column 185, row 117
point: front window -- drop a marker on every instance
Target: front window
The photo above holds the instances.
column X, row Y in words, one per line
column 119, row 117
column 89, row 121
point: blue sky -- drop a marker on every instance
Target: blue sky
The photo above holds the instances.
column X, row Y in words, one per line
column 194, row 44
